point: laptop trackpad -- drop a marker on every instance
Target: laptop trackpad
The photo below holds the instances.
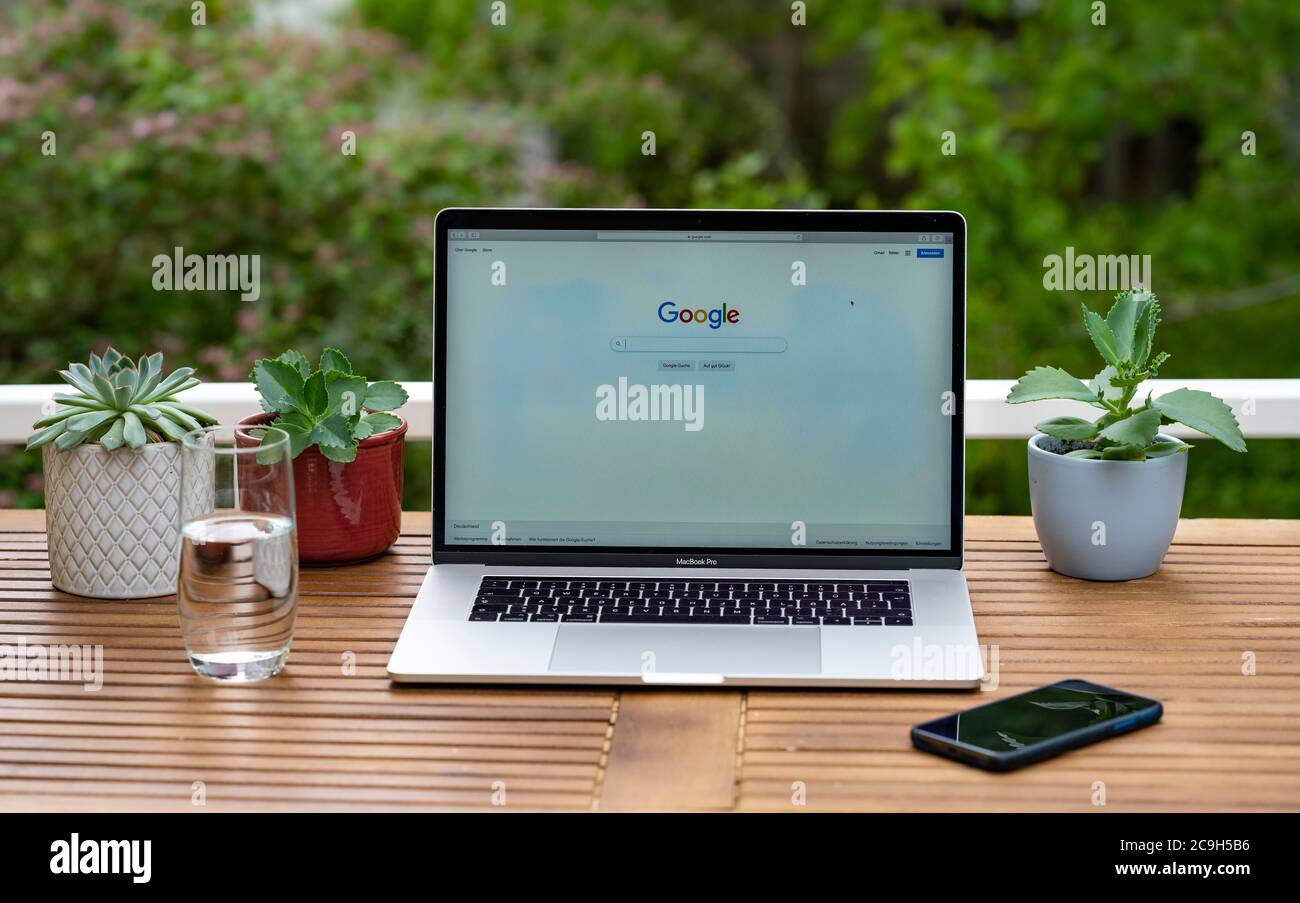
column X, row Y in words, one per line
column 718, row 649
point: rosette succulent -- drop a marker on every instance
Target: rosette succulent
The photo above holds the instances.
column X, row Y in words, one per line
column 120, row 402
column 1125, row 340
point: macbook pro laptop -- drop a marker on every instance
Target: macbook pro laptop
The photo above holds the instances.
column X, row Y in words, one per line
column 696, row 447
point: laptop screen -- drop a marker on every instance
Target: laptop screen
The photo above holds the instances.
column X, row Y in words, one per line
column 670, row 390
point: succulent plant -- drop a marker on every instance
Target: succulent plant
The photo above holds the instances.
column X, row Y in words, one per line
column 1125, row 338
column 120, row 402
column 330, row 407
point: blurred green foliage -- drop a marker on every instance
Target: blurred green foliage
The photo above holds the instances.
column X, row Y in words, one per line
column 1117, row 138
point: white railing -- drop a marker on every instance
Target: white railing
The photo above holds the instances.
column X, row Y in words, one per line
column 1266, row 408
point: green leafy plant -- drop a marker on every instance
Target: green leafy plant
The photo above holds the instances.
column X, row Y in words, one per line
column 120, row 402
column 1125, row 340
column 331, row 408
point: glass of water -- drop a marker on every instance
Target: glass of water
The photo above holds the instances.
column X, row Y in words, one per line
column 238, row 584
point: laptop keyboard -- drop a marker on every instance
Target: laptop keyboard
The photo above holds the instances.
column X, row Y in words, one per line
column 837, row 603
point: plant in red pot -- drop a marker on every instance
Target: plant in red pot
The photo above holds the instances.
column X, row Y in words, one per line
column 347, row 451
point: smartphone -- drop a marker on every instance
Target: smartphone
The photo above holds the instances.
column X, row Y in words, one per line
column 1033, row 726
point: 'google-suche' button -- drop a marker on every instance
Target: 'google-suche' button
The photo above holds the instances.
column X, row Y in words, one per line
column 929, row 252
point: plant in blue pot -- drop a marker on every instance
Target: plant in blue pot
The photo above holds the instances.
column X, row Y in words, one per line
column 1106, row 492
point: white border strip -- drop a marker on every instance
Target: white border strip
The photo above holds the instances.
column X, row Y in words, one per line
column 1266, row 408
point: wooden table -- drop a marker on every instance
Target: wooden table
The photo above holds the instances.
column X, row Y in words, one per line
column 325, row 735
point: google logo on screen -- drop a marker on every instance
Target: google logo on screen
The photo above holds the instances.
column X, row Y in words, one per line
column 671, row 313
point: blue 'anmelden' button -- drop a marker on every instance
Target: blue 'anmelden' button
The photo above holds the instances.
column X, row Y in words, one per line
column 929, row 252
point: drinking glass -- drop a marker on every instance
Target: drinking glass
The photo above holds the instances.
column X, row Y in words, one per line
column 238, row 584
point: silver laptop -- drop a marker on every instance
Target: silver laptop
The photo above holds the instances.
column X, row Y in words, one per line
column 696, row 448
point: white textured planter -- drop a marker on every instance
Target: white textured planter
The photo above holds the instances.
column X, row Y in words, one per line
column 113, row 519
column 1105, row 520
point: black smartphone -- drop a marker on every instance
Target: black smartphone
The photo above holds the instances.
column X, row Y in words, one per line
column 1033, row 726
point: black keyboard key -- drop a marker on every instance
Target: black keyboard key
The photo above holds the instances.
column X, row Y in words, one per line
column 544, row 617
column 770, row 619
column 870, row 622
column 732, row 587
column 898, row 621
column 672, row 584
column 514, row 617
column 716, row 594
column 759, row 587
column 483, row 615
column 553, row 584
column 523, row 584
column 836, row 622
column 773, row 594
column 701, row 586
column 497, row 600
column 806, row 621
column 821, row 587
column 728, row 619
column 625, row 594
column 581, row 618
column 641, row 584
column 613, row 584
column 497, row 582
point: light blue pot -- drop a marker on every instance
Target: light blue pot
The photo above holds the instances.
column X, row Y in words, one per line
column 1105, row 520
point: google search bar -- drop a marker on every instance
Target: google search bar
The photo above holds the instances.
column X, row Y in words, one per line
column 701, row 344
column 699, row 236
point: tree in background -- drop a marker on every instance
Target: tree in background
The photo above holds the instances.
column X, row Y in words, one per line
column 1116, row 138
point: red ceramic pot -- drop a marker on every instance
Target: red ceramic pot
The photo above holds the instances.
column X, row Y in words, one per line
column 346, row 512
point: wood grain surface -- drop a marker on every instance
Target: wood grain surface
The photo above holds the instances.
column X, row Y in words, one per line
column 331, row 733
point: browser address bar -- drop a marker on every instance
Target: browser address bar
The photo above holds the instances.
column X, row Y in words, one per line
column 698, row 344
column 699, row 236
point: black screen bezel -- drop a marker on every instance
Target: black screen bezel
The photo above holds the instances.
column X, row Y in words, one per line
column 719, row 220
